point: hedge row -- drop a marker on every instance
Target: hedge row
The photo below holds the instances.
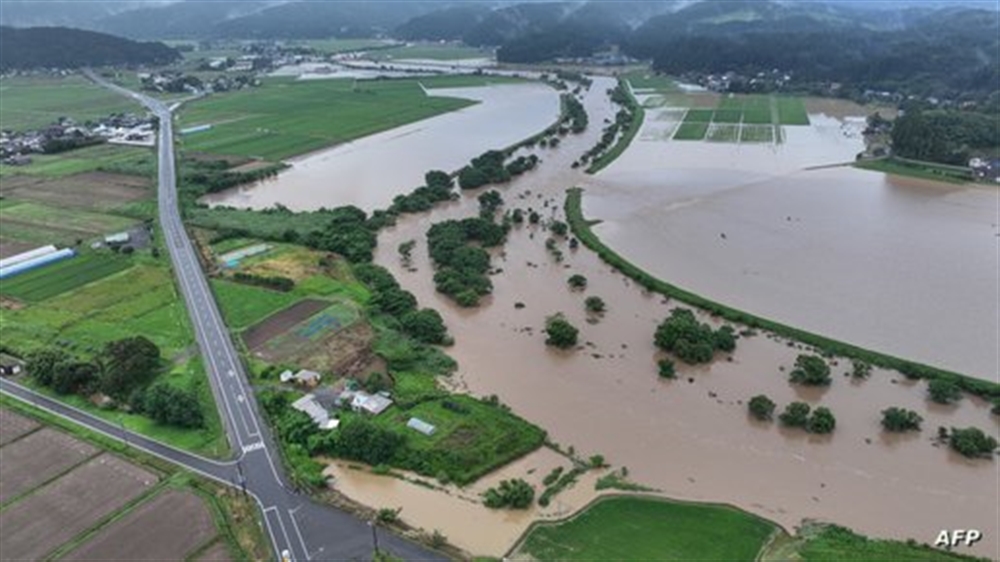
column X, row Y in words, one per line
column 638, row 115
column 581, row 229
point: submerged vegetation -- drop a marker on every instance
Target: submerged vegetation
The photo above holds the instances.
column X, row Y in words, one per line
column 691, row 341
column 625, row 127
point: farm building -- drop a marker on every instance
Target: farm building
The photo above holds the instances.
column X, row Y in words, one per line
column 35, row 262
column 232, row 259
column 421, row 426
column 373, row 404
column 303, row 377
column 117, row 239
column 310, row 407
column 9, row 365
column 24, row 256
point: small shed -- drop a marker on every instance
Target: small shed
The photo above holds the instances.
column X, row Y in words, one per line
column 373, row 404
column 117, row 239
column 421, row 426
column 307, row 378
column 286, row 376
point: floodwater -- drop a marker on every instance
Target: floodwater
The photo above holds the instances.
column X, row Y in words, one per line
column 903, row 266
column 458, row 513
column 691, row 438
column 372, row 170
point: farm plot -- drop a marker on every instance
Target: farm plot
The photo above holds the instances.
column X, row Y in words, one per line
column 691, row 131
column 42, row 224
column 792, row 111
column 245, row 305
column 216, row 553
column 36, row 459
column 89, row 190
column 757, row 133
column 169, row 527
column 36, row 101
column 89, row 159
column 49, row 281
column 37, row 525
column 281, row 322
column 13, row 426
column 13, row 247
column 723, row 133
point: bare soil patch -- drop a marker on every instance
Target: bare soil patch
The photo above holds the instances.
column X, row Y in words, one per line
column 14, row 425
column 13, row 247
column 33, row 460
column 218, row 552
column 172, row 525
column 346, row 352
column 32, row 528
column 94, row 190
column 280, row 322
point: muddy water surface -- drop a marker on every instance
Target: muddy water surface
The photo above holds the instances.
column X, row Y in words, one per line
column 691, row 437
column 372, row 170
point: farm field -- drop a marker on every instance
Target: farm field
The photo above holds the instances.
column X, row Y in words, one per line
column 792, row 111
column 637, row 528
column 51, row 516
column 648, row 80
column 743, row 118
column 281, row 321
column 329, row 339
column 244, row 305
column 92, row 504
column 430, row 52
column 168, row 527
column 36, row 101
column 284, row 118
column 724, row 133
column 89, row 190
column 691, row 131
column 837, row 543
column 340, row 45
column 57, row 278
column 762, row 133
column 88, row 159
column 44, row 224
column 37, row 458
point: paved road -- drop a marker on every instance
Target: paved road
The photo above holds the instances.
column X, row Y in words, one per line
column 295, row 525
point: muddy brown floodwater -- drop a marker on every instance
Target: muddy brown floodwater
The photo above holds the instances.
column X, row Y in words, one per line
column 372, row 170
column 691, row 438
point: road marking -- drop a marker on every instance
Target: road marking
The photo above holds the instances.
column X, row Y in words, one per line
column 253, row 446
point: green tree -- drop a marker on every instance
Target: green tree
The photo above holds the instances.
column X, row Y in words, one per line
column 943, row 391
column 810, row 370
column 560, row 333
column 821, row 421
column 860, row 369
column 128, row 364
column 437, row 178
column 169, row 405
column 362, row 440
column 761, row 407
column 900, row 419
column 594, row 304
column 796, row 414
column 972, row 442
column 515, row 494
column 577, row 281
column 691, row 341
column 425, row 325
column 40, row 365
column 72, row 377
column 559, row 228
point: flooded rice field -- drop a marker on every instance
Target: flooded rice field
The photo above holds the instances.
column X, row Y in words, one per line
column 690, row 438
column 372, row 170
column 903, row 266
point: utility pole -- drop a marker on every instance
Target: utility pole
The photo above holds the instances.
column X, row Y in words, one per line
column 121, row 424
column 374, row 536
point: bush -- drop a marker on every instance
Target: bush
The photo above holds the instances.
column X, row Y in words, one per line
column 796, row 414
column 425, row 326
column 667, row 369
column 594, row 304
column 972, row 442
column 900, row 420
column 810, row 370
column 761, row 407
column 577, row 281
column 362, row 440
column 560, row 333
column 559, row 228
column 860, row 369
column 691, row 341
column 387, row 515
column 515, row 494
column 169, row 405
column 943, row 391
column 821, row 421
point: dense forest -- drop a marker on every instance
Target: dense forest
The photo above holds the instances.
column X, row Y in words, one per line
column 60, row 47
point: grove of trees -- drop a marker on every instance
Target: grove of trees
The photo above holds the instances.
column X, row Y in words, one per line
column 972, row 442
column 514, row 494
column 898, row 420
column 761, row 407
column 691, row 341
column 810, row 370
column 560, row 333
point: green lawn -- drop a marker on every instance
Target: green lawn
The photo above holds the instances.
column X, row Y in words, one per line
column 244, row 305
column 691, row 131
column 792, row 111
column 635, row 528
column 81, row 160
column 36, row 101
column 284, row 118
column 49, row 281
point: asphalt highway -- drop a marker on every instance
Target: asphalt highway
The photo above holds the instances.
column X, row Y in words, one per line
column 298, row 528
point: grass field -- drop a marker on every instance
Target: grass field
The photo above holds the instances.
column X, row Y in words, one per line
column 838, row 543
column 635, row 528
column 36, row 101
column 55, row 279
column 283, row 118
column 691, row 131
column 71, row 219
column 245, row 305
column 792, row 111
column 430, row 52
column 77, row 161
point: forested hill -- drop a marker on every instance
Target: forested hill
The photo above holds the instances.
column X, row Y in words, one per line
column 63, row 47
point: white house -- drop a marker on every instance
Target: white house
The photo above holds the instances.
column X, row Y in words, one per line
column 310, row 407
column 373, row 404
